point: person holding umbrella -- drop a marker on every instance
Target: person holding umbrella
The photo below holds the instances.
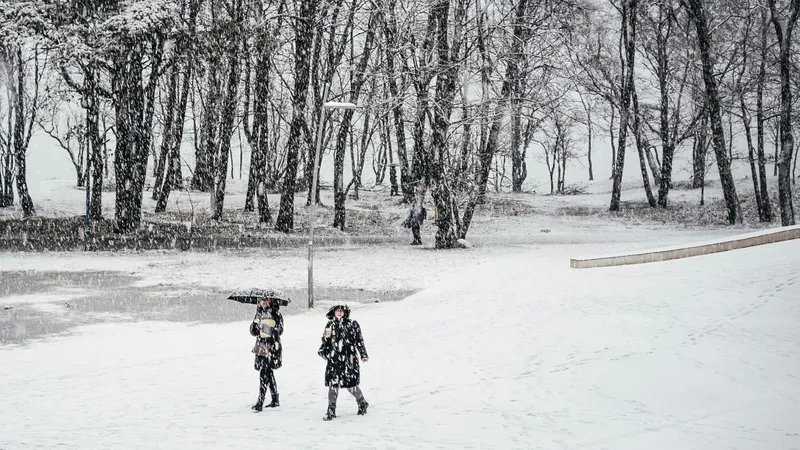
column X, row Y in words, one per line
column 342, row 344
column 267, row 328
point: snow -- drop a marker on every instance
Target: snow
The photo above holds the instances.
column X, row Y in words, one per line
column 510, row 348
column 719, row 240
column 38, row 298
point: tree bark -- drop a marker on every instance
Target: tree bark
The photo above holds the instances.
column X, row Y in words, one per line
column 640, row 146
column 228, row 116
column 303, row 35
column 339, row 194
column 629, row 41
column 784, row 32
column 175, row 138
column 95, row 142
column 131, row 149
column 518, row 170
column 257, row 133
column 166, row 132
column 20, row 141
column 590, row 130
column 698, row 14
column 391, row 48
column 613, row 144
column 202, row 179
column 746, row 125
column 448, row 67
column 699, row 149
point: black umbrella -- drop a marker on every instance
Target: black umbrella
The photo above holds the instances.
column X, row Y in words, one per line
column 253, row 295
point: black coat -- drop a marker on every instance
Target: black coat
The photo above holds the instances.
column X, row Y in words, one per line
column 268, row 349
column 342, row 350
column 415, row 220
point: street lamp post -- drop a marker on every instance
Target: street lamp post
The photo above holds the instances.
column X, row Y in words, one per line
column 313, row 194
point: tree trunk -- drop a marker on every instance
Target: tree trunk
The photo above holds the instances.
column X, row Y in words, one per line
column 651, row 155
column 641, row 145
column 258, row 134
column 613, row 144
column 517, row 153
column 488, row 148
column 664, row 27
column 751, row 156
column 357, row 159
column 20, row 141
column 629, row 41
column 765, row 212
column 95, row 142
column 698, row 14
column 666, row 174
column 699, row 150
column 777, row 144
column 391, row 46
column 303, row 36
column 228, row 116
column 395, row 187
column 204, row 153
column 339, row 194
column 784, row 36
column 249, row 133
column 130, row 162
column 590, row 137
column 262, row 162
column 448, row 66
column 166, row 133
column 175, row 138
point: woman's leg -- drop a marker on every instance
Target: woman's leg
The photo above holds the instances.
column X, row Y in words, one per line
column 356, row 391
column 273, row 387
column 263, row 384
column 362, row 402
column 333, row 395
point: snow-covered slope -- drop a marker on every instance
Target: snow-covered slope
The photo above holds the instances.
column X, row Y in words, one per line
column 515, row 352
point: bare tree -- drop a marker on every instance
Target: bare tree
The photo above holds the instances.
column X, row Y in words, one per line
column 236, row 13
column 628, row 42
column 784, row 22
column 169, row 177
column 68, row 129
column 696, row 9
column 23, row 73
column 303, row 27
column 339, row 193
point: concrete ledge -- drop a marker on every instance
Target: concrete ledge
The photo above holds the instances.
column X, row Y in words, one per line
column 685, row 251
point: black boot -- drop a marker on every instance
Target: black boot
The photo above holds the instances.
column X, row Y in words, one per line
column 258, row 406
column 275, row 401
column 362, row 408
column 331, row 414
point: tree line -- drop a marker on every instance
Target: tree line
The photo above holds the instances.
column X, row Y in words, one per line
column 454, row 95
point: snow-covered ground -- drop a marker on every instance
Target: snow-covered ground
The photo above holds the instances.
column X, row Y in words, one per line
column 507, row 348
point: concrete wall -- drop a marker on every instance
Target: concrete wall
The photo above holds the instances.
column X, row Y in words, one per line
column 747, row 240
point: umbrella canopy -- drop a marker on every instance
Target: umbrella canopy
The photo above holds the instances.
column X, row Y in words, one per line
column 253, row 295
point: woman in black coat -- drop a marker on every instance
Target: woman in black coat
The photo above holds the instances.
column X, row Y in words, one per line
column 267, row 327
column 342, row 344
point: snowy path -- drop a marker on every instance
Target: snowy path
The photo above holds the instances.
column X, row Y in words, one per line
column 518, row 352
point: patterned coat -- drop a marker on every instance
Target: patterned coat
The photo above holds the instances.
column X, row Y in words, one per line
column 342, row 349
column 267, row 327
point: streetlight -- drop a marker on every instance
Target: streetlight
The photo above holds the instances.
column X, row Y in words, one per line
column 313, row 194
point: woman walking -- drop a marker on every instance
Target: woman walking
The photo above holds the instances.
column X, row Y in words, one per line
column 342, row 343
column 267, row 327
